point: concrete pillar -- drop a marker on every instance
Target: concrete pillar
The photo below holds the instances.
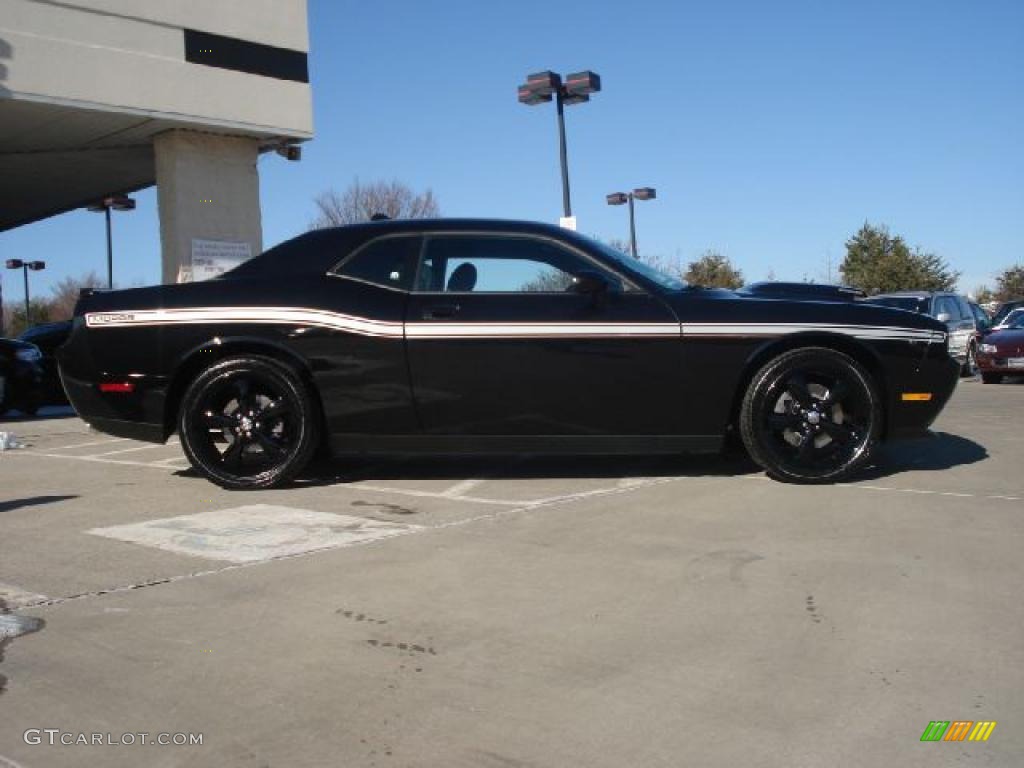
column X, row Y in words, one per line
column 208, row 194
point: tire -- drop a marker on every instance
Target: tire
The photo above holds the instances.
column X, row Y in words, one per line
column 3, row 394
column 970, row 366
column 248, row 422
column 811, row 415
column 991, row 378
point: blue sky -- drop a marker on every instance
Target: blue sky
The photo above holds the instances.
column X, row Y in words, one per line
column 771, row 130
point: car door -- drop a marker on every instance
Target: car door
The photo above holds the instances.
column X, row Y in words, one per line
column 501, row 341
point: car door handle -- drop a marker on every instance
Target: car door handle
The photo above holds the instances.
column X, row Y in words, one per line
column 440, row 311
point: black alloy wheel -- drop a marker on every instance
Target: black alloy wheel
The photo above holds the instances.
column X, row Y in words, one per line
column 811, row 415
column 248, row 423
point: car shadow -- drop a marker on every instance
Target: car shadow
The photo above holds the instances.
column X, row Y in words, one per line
column 32, row 501
column 940, row 450
column 340, row 471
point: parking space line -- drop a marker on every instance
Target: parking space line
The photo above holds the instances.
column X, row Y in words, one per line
column 170, row 460
column 461, row 487
column 93, row 459
column 429, row 494
column 919, row 491
column 87, row 445
column 146, row 447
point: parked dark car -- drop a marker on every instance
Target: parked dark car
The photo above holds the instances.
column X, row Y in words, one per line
column 21, row 376
column 48, row 337
column 1001, row 351
column 949, row 308
column 1005, row 309
column 444, row 336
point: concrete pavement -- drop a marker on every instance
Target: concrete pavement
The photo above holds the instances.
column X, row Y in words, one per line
column 647, row 612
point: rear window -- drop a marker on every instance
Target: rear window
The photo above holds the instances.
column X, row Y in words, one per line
column 388, row 261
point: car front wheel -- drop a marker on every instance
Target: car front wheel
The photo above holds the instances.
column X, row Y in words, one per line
column 991, row 378
column 248, row 423
column 811, row 415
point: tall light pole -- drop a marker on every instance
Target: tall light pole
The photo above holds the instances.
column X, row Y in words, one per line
column 25, row 266
column 106, row 205
column 540, row 88
column 621, row 198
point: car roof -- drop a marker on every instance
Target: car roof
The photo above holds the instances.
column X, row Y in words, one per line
column 15, row 343
column 450, row 224
column 320, row 249
column 911, row 294
column 43, row 328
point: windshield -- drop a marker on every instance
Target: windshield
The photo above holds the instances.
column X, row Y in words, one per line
column 1014, row 320
column 1004, row 312
column 637, row 267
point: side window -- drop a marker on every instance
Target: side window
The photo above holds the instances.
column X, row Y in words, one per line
column 948, row 305
column 965, row 308
column 981, row 320
column 389, row 261
column 454, row 264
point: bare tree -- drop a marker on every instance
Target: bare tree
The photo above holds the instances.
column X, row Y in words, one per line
column 66, row 292
column 361, row 202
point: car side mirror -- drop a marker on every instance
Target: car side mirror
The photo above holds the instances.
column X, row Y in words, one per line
column 594, row 283
column 943, row 317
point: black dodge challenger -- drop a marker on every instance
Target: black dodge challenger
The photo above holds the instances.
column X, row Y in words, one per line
column 457, row 336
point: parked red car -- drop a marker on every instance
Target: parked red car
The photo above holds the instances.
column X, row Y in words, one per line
column 1001, row 351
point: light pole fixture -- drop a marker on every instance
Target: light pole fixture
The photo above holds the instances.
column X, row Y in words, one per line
column 106, row 205
column 621, row 198
column 25, row 266
column 540, row 88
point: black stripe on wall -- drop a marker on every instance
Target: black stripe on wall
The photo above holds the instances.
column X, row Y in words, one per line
column 243, row 56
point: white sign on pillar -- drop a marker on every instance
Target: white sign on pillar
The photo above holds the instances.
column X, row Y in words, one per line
column 211, row 258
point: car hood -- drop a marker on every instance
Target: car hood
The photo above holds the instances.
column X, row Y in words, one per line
column 718, row 306
column 1010, row 340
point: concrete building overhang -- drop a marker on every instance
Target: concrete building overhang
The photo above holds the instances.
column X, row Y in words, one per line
column 87, row 86
column 56, row 158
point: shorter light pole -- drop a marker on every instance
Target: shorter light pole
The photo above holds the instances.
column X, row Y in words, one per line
column 621, row 198
column 25, row 266
column 106, row 205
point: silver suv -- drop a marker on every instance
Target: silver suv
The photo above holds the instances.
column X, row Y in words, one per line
column 963, row 322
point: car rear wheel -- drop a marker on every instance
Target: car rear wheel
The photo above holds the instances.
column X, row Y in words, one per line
column 248, row 423
column 991, row 378
column 811, row 415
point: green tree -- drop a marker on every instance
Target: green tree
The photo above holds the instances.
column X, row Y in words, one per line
column 14, row 315
column 713, row 270
column 984, row 295
column 878, row 262
column 1010, row 283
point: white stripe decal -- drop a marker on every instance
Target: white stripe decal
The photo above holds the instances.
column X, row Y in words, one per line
column 452, row 330
column 779, row 329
